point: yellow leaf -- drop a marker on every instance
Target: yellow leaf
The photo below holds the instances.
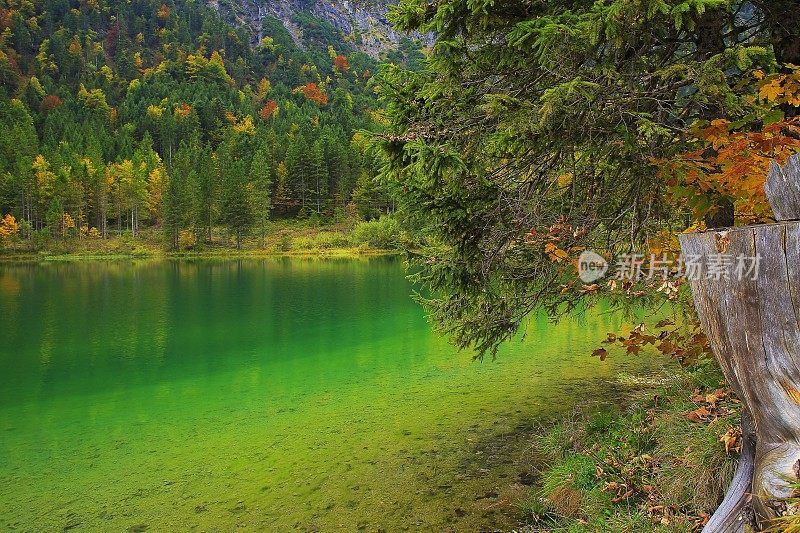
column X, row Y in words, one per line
column 556, row 254
column 771, row 91
column 565, row 179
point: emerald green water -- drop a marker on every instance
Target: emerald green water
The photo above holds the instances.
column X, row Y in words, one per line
column 257, row 395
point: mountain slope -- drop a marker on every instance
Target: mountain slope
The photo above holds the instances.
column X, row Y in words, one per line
column 130, row 115
column 361, row 23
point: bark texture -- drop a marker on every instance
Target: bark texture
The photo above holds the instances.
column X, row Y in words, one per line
column 735, row 512
column 752, row 323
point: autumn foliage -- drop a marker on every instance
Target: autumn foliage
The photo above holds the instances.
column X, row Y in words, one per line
column 50, row 102
column 732, row 159
column 183, row 110
column 8, row 226
column 112, row 39
column 341, row 63
column 313, row 93
column 269, row 109
column 5, row 18
column 726, row 159
column 131, row 115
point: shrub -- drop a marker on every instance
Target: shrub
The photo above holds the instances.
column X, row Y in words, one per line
column 384, row 233
column 41, row 237
column 324, row 240
column 284, row 242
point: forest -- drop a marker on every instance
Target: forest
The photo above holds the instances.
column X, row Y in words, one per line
column 120, row 116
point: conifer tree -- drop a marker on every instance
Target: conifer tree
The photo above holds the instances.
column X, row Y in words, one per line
column 261, row 173
column 236, row 211
column 177, row 199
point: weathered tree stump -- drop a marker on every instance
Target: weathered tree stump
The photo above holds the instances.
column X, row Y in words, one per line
column 753, row 325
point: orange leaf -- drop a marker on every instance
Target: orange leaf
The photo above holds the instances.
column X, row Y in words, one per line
column 698, row 415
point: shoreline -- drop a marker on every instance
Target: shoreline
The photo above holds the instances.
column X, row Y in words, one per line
column 334, row 253
column 285, row 240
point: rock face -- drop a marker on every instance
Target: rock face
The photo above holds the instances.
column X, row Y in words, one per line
column 362, row 23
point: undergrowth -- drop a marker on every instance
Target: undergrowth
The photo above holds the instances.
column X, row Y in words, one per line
column 660, row 463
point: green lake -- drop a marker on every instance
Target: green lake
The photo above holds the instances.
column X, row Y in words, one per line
column 261, row 395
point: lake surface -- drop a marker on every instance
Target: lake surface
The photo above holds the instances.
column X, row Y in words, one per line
column 270, row 395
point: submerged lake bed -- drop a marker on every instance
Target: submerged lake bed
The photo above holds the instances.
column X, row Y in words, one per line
column 267, row 394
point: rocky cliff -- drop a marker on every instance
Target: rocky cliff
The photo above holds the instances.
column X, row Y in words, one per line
column 361, row 23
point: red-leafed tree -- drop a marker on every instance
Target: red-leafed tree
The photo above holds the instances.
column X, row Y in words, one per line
column 341, row 63
column 269, row 109
column 5, row 18
column 50, row 102
column 313, row 93
column 112, row 38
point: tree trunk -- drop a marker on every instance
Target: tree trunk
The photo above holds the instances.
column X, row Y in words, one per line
column 785, row 36
column 752, row 322
column 735, row 512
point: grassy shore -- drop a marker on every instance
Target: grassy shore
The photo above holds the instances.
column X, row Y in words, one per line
column 660, row 462
column 285, row 238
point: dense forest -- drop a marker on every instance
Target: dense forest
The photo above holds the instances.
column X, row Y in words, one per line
column 118, row 116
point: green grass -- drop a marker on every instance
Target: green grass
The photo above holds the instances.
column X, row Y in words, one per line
column 639, row 466
column 289, row 238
